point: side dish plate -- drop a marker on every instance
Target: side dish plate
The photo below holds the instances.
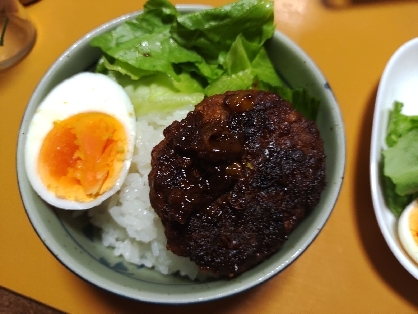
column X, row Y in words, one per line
column 399, row 82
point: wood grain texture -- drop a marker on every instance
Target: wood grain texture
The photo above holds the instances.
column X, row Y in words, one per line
column 14, row 303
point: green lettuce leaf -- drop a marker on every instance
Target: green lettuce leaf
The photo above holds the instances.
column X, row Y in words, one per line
column 401, row 163
column 201, row 54
column 212, row 32
column 399, row 124
column 246, row 66
column 303, row 102
column 395, row 202
column 160, row 92
column 400, row 160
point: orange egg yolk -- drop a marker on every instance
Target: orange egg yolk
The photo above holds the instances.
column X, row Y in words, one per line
column 82, row 156
column 413, row 223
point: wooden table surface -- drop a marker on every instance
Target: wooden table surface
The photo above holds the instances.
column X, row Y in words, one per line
column 348, row 269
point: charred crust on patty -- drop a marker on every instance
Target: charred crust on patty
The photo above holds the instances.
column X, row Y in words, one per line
column 233, row 179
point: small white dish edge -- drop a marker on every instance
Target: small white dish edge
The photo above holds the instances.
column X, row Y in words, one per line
column 395, row 84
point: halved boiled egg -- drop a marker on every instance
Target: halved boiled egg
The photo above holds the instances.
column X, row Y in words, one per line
column 408, row 230
column 80, row 142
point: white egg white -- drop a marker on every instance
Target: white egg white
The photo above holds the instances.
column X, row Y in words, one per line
column 84, row 92
column 404, row 232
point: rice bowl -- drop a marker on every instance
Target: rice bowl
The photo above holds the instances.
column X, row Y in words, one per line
column 76, row 243
column 127, row 222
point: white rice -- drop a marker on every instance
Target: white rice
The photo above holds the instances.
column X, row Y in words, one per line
column 129, row 224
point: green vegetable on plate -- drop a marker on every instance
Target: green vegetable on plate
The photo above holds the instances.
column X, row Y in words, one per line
column 165, row 59
column 400, row 160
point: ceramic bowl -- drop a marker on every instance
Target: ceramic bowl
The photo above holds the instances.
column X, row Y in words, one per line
column 75, row 246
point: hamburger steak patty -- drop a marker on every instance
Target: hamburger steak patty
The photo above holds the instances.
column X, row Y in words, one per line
column 234, row 178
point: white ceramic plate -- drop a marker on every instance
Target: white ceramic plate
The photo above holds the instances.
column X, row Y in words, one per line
column 399, row 82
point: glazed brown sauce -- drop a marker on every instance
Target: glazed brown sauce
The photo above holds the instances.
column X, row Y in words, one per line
column 240, row 102
column 234, row 178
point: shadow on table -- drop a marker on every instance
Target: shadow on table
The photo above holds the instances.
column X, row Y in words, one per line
column 381, row 257
column 352, row 3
